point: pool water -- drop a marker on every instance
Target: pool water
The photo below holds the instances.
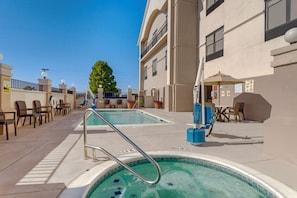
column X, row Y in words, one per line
column 181, row 178
column 123, row 117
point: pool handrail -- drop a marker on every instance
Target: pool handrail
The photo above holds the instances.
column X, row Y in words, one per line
column 145, row 155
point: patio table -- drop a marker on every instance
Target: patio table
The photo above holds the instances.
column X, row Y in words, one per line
column 221, row 113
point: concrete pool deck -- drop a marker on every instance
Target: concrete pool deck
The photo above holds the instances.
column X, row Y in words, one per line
column 41, row 162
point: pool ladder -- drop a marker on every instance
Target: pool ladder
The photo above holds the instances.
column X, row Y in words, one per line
column 149, row 158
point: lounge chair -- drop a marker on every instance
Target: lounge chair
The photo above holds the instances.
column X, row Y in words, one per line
column 23, row 111
column 6, row 121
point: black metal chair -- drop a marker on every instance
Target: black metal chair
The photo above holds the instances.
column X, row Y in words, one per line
column 4, row 120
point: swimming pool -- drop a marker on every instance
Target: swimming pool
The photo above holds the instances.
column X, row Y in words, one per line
column 183, row 175
column 125, row 117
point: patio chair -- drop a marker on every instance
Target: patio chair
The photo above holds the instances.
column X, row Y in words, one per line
column 119, row 103
column 66, row 107
column 236, row 111
column 47, row 110
column 106, row 104
column 38, row 113
column 23, row 111
column 4, row 120
column 60, row 110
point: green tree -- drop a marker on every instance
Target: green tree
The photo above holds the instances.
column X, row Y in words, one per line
column 102, row 75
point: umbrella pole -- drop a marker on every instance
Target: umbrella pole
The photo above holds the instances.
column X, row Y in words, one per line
column 219, row 94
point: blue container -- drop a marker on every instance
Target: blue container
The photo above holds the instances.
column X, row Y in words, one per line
column 195, row 135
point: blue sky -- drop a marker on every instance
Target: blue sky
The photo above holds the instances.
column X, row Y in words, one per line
column 69, row 36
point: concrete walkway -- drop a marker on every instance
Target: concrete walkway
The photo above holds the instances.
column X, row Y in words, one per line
column 41, row 162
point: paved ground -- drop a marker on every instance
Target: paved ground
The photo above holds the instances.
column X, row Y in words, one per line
column 41, row 162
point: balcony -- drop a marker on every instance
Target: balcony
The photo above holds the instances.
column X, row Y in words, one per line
column 155, row 40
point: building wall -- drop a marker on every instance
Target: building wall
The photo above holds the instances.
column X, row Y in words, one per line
column 176, row 83
column 160, row 79
column 245, row 48
column 152, row 7
column 279, row 132
column 27, row 96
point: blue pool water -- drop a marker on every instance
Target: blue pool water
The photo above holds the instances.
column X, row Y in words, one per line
column 124, row 117
column 181, row 178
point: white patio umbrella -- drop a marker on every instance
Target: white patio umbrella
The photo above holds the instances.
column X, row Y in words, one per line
column 221, row 79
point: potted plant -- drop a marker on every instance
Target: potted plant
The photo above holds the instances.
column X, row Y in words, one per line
column 158, row 104
column 130, row 104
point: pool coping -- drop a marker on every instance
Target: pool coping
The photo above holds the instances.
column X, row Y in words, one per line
column 79, row 127
column 82, row 184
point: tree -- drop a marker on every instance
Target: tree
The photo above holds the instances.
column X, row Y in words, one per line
column 102, row 75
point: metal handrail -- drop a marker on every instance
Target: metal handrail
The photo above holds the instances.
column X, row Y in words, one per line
column 149, row 158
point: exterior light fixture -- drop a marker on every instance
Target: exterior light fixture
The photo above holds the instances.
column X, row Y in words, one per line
column 291, row 35
column 44, row 73
column 63, row 82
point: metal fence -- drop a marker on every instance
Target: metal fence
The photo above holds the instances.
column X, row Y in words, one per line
column 19, row 84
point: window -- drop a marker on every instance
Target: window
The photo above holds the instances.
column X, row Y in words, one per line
column 165, row 60
column 211, row 5
column 154, row 67
column 145, row 73
column 280, row 15
column 215, row 44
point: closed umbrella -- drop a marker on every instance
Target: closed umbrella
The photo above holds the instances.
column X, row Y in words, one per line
column 221, row 79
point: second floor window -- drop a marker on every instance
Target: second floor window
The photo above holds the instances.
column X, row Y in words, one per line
column 215, row 44
column 145, row 73
column 281, row 15
column 211, row 5
column 154, row 67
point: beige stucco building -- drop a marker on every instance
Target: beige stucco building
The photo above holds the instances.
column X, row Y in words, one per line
column 168, row 53
column 244, row 39
column 234, row 36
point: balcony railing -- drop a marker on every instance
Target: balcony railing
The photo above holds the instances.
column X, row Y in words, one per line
column 158, row 36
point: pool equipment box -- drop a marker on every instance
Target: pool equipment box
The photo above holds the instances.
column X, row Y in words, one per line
column 195, row 135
